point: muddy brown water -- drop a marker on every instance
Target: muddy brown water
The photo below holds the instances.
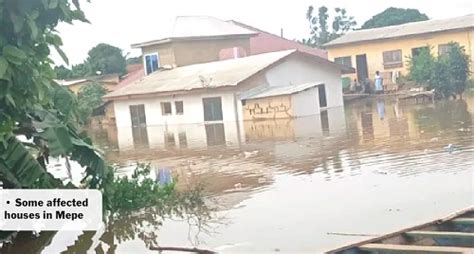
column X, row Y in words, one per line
column 294, row 186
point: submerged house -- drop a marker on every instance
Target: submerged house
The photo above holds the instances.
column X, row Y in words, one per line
column 386, row 49
column 222, row 91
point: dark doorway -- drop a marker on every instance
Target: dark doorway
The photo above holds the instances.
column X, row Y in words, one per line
column 137, row 114
column 361, row 65
column 215, row 134
column 322, row 96
column 212, row 109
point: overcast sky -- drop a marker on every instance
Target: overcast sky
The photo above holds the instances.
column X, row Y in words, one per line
column 123, row 22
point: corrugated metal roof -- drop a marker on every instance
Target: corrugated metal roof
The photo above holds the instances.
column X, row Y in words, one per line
column 210, row 75
column 189, row 27
column 408, row 29
column 270, row 91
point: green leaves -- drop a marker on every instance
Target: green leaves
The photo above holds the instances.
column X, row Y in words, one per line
column 3, row 67
column 53, row 4
column 33, row 28
column 13, row 54
column 59, row 142
column 62, row 54
column 20, row 169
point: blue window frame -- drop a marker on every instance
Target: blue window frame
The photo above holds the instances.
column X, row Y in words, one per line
column 151, row 63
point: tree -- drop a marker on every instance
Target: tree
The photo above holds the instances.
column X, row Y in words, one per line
column 81, row 70
column 394, row 16
column 448, row 74
column 89, row 98
column 135, row 60
column 63, row 72
column 319, row 29
column 107, row 59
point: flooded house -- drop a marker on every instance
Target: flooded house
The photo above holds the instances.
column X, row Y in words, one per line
column 386, row 49
column 218, row 91
column 210, row 75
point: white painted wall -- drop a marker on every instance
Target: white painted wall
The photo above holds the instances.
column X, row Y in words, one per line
column 305, row 103
column 196, row 137
column 293, row 70
column 298, row 71
column 192, row 103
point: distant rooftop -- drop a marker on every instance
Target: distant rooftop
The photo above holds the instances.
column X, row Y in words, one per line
column 262, row 44
column 270, row 91
column 404, row 30
column 191, row 27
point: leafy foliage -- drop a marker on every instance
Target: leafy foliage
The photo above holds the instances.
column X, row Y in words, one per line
column 421, row 66
column 103, row 58
column 135, row 60
column 107, row 59
column 63, row 72
column 394, row 16
column 448, row 74
column 31, row 104
column 89, row 98
column 319, row 29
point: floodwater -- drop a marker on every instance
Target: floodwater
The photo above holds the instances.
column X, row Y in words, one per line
column 305, row 185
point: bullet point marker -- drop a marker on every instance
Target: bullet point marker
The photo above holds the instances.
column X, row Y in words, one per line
column 8, row 202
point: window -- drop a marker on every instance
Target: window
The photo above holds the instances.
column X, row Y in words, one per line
column 179, row 107
column 443, row 49
column 392, row 59
column 346, row 60
column 151, row 63
column 166, row 108
column 417, row 51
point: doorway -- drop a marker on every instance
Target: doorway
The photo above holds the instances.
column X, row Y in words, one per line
column 137, row 114
column 212, row 109
column 322, row 96
column 362, row 69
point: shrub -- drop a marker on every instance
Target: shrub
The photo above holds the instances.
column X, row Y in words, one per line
column 448, row 74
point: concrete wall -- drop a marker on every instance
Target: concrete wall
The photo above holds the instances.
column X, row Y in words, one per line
column 268, row 108
column 374, row 50
column 192, row 103
column 297, row 70
column 306, row 103
column 202, row 51
column 165, row 53
column 294, row 70
column 181, row 53
column 185, row 136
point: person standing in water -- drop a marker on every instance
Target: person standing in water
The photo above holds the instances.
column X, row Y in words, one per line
column 378, row 83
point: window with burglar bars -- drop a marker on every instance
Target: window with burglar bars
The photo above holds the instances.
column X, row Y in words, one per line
column 392, row 59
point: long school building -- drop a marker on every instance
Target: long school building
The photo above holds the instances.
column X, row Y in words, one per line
column 387, row 49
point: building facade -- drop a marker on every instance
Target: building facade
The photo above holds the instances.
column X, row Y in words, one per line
column 203, row 39
column 387, row 49
column 213, row 92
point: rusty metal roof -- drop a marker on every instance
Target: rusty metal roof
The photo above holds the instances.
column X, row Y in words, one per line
column 408, row 29
column 192, row 27
column 270, row 91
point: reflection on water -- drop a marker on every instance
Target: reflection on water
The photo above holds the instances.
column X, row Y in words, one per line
column 382, row 158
